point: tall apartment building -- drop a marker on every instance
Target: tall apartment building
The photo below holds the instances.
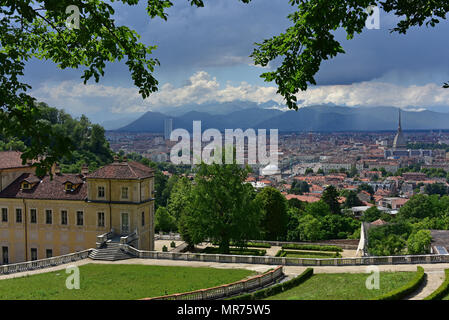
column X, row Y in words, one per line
column 168, row 128
column 49, row 216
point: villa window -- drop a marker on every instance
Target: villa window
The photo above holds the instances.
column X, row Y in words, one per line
column 5, row 255
column 25, row 185
column 100, row 192
column 4, row 214
column 49, row 253
column 79, row 218
column 33, row 254
column 68, row 186
column 124, row 193
column 33, row 216
column 100, row 219
column 18, row 215
column 64, row 217
column 48, row 217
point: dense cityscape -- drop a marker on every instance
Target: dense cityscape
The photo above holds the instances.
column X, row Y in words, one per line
column 396, row 165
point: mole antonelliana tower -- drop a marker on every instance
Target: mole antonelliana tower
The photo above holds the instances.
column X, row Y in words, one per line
column 399, row 142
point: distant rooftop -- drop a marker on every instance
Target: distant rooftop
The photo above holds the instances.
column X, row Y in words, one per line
column 126, row 170
column 11, row 160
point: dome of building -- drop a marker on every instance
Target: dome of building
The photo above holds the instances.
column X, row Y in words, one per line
column 269, row 170
column 399, row 141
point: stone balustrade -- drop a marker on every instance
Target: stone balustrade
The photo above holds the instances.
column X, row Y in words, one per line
column 269, row 260
column 103, row 238
column 227, row 290
column 129, row 238
column 44, row 263
column 171, row 236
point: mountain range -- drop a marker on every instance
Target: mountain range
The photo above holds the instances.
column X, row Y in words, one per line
column 314, row 118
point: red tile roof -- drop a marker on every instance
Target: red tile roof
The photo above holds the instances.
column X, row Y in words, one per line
column 11, row 159
column 379, row 222
column 308, row 199
column 47, row 188
column 123, row 170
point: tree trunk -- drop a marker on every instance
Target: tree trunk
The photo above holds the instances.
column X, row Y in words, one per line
column 224, row 246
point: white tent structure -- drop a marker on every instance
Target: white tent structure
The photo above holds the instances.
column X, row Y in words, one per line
column 270, row 170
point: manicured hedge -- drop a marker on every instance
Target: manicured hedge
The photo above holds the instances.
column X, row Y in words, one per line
column 278, row 288
column 318, row 255
column 250, row 244
column 258, row 245
column 236, row 251
column 442, row 290
column 407, row 289
column 314, row 247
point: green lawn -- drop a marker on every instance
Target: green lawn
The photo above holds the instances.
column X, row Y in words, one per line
column 344, row 286
column 118, row 282
column 307, row 254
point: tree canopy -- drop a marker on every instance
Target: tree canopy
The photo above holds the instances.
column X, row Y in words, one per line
column 330, row 196
column 222, row 207
column 275, row 217
column 88, row 140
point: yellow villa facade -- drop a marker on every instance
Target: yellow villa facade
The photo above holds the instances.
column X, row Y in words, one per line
column 48, row 216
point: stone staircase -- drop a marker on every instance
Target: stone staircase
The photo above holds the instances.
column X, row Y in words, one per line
column 110, row 252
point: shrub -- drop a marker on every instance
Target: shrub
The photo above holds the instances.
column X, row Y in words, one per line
column 419, row 242
column 164, row 249
column 173, row 244
column 249, row 244
column 311, row 247
column 258, row 245
column 406, row 289
column 237, row 251
column 442, row 290
column 278, row 288
column 280, row 253
column 319, row 255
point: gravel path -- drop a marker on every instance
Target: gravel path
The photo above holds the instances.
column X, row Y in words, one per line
column 433, row 280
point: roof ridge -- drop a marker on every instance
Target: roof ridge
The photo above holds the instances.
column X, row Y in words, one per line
column 132, row 170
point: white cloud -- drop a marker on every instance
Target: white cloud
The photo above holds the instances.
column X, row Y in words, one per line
column 377, row 94
column 201, row 88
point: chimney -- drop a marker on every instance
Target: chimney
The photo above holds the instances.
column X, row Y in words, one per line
column 84, row 170
column 125, row 159
column 57, row 169
column 116, row 158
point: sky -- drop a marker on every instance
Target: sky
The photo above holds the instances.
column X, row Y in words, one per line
column 204, row 55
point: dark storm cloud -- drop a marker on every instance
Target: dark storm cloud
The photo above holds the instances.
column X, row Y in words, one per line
column 222, row 35
column 419, row 57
